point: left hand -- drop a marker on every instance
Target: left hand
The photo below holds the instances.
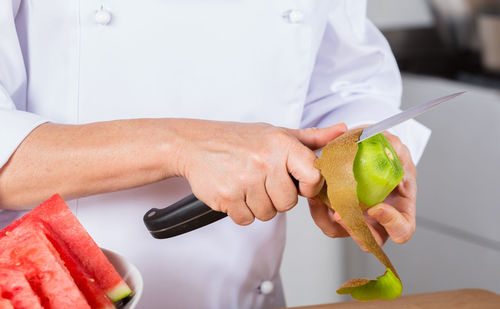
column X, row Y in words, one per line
column 395, row 217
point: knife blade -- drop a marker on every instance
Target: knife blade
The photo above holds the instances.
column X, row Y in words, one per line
column 190, row 213
column 410, row 113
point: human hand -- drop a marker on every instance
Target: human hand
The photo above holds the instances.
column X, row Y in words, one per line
column 394, row 218
column 244, row 169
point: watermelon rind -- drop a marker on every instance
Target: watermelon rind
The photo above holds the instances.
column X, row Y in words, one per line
column 119, row 292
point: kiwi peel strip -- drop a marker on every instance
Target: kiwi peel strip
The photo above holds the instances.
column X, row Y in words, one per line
column 340, row 193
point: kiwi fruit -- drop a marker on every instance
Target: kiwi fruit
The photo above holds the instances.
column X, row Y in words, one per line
column 358, row 176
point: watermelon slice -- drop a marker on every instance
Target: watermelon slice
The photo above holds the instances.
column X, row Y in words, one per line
column 67, row 229
column 84, row 259
column 29, row 251
column 16, row 291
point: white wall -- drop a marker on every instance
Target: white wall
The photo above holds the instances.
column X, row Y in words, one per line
column 388, row 14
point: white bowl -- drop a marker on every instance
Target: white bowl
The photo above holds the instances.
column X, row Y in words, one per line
column 129, row 273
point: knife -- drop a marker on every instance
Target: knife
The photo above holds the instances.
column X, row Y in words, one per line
column 190, row 213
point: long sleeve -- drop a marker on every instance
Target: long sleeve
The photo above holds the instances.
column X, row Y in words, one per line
column 15, row 122
column 356, row 79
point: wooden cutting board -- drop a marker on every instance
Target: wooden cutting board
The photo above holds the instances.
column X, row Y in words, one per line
column 457, row 299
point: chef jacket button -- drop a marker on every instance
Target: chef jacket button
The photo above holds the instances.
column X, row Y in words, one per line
column 294, row 16
column 266, row 287
column 102, row 17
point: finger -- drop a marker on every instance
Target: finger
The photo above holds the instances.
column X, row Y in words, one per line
column 377, row 230
column 377, row 233
column 281, row 190
column 399, row 225
column 259, row 203
column 300, row 164
column 403, row 153
column 315, row 138
column 406, row 197
column 323, row 217
column 300, row 161
column 394, row 140
column 407, row 188
column 240, row 213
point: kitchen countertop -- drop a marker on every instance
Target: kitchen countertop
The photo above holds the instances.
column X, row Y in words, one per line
column 456, row 299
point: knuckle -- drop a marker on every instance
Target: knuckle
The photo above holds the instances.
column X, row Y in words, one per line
column 268, row 215
column 244, row 178
column 246, row 221
column 259, row 161
column 217, row 206
column 316, row 176
column 309, row 155
column 225, row 194
column 313, row 175
column 242, row 219
column 288, row 204
column 308, row 193
column 278, row 136
column 389, row 220
column 264, row 211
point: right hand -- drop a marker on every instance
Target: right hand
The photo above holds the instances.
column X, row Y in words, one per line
column 244, row 169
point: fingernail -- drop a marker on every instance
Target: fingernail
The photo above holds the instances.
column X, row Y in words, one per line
column 375, row 211
column 331, row 214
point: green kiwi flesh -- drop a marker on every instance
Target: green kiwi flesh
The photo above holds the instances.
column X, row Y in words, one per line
column 377, row 170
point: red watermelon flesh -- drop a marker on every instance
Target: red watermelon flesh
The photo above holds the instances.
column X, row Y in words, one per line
column 15, row 290
column 95, row 296
column 5, row 303
column 71, row 235
column 29, row 251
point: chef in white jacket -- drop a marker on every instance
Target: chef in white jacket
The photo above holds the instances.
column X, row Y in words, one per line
column 100, row 101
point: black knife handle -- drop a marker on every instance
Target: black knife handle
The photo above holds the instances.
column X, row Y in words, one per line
column 184, row 216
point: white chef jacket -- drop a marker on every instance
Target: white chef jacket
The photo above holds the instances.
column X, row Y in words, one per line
column 290, row 63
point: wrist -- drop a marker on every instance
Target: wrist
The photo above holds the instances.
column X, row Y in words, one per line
column 171, row 147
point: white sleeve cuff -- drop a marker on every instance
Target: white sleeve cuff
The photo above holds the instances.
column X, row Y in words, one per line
column 15, row 125
column 367, row 111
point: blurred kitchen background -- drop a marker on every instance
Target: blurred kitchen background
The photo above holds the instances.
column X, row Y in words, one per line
column 442, row 46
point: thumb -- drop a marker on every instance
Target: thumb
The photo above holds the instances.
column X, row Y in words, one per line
column 315, row 138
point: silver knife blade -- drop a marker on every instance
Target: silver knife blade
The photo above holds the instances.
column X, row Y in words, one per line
column 410, row 113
